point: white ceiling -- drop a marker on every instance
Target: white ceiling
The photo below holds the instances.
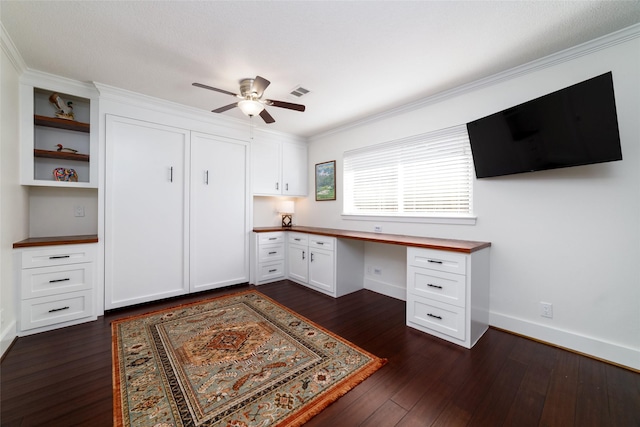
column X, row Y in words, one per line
column 357, row 57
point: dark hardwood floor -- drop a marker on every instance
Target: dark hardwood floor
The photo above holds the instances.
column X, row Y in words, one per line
column 63, row 377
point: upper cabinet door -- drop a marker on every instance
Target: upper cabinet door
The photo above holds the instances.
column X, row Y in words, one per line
column 266, row 167
column 294, row 169
column 219, row 224
column 146, row 212
column 58, row 135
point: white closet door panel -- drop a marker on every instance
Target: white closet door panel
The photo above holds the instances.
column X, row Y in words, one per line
column 146, row 254
column 219, row 237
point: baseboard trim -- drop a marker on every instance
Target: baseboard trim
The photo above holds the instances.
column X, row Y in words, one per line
column 615, row 354
column 7, row 338
column 384, row 288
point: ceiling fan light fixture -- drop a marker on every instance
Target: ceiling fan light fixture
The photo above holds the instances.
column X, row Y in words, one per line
column 250, row 107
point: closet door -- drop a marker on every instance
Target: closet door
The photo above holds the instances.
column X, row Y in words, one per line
column 219, row 239
column 146, row 211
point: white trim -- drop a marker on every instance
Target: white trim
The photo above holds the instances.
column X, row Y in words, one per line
column 553, row 59
column 12, row 52
column 8, row 335
column 444, row 219
column 612, row 352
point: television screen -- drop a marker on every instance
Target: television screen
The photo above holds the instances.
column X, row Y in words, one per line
column 574, row 126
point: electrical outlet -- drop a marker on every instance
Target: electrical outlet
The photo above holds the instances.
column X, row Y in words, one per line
column 377, row 228
column 377, row 270
column 546, row 309
column 78, row 211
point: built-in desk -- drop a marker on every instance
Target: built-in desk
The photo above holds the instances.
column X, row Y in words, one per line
column 447, row 279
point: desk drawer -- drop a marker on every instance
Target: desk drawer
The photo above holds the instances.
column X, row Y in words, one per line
column 450, row 262
column 270, row 271
column 322, row 242
column 298, row 239
column 440, row 286
column 39, row 282
column 49, row 310
column 270, row 253
column 58, row 255
column 269, row 238
column 444, row 318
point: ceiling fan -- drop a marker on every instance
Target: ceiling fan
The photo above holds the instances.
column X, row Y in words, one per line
column 252, row 103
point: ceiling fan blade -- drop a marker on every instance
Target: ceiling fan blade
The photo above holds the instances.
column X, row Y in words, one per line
column 225, row 108
column 288, row 105
column 214, row 89
column 259, row 85
column 266, row 117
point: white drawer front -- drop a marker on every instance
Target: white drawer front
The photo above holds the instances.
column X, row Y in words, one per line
column 38, row 282
column 322, row 242
column 58, row 255
column 444, row 318
column 270, row 253
column 270, row 271
column 298, row 239
column 440, row 286
column 269, row 238
column 450, row 262
column 45, row 311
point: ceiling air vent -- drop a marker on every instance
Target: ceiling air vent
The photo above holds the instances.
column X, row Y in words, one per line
column 299, row 92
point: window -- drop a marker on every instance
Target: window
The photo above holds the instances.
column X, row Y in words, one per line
column 421, row 176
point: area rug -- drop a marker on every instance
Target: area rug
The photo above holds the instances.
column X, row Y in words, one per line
column 240, row 360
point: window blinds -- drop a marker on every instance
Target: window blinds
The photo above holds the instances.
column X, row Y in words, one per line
column 423, row 175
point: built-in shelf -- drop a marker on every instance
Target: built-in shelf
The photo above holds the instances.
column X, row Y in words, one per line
column 54, row 122
column 60, row 155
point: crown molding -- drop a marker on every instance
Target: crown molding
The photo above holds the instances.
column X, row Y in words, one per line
column 11, row 51
column 587, row 48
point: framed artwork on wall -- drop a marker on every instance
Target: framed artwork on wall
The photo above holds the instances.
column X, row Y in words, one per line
column 326, row 181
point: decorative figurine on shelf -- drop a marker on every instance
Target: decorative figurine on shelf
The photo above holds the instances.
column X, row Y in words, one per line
column 62, row 174
column 65, row 149
column 64, row 110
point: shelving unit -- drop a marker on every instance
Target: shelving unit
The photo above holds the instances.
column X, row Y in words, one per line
column 42, row 132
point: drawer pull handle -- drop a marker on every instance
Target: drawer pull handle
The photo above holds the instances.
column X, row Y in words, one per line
column 434, row 316
column 60, row 256
column 273, row 253
column 434, row 286
column 435, row 261
column 273, row 238
column 273, row 271
column 297, row 239
column 53, row 310
column 59, row 280
column 320, row 243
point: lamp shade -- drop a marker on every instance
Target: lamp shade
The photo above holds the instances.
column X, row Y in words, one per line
column 286, row 207
column 250, row 108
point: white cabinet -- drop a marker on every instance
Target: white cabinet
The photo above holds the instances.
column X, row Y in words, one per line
column 146, row 207
column 56, row 286
column 176, row 215
column 448, row 293
column 329, row 265
column 55, row 151
column 278, row 167
column 270, row 251
column 298, row 257
column 219, row 216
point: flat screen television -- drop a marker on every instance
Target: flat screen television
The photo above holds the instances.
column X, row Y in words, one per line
column 577, row 125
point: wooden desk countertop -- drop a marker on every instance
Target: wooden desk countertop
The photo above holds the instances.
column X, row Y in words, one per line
column 57, row 240
column 465, row 246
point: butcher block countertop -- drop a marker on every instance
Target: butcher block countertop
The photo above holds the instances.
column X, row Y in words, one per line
column 465, row 246
column 54, row 241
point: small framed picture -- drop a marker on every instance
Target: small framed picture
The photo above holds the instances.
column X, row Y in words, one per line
column 326, row 181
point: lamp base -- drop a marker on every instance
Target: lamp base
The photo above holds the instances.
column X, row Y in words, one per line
column 286, row 220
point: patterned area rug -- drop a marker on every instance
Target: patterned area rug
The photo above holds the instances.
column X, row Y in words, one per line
column 241, row 360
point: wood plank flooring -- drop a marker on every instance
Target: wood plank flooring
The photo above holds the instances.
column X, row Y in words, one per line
column 63, row 377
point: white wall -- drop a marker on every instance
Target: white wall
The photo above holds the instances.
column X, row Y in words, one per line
column 52, row 211
column 13, row 197
column 568, row 236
